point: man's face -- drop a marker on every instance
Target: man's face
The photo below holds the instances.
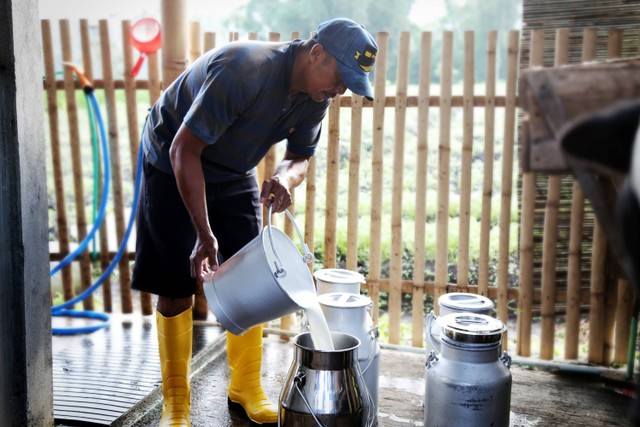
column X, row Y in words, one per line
column 324, row 78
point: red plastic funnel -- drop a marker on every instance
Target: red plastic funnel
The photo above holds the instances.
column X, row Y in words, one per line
column 145, row 36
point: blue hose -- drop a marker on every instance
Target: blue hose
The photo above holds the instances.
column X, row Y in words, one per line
column 63, row 309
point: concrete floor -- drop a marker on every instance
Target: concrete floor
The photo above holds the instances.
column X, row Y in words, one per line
column 539, row 397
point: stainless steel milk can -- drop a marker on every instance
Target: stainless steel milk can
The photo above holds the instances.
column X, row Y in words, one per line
column 325, row 388
column 468, row 383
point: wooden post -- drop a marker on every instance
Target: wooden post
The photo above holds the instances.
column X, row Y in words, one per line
column 116, row 176
column 332, row 188
column 354, row 182
column 487, row 182
column 76, row 159
column 572, row 332
column 550, row 235
column 596, row 303
column 56, row 156
column 375, row 259
column 444, row 154
column 397, row 248
column 525, row 300
column 465, row 171
column 417, row 306
column 174, row 48
column 507, row 179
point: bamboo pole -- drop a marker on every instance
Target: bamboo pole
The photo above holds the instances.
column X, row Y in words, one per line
column 525, row 300
column 377, row 155
column 116, row 176
column 395, row 266
column 614, row 51
column 209, row 40
column 87, row 66
column 155, row 85
column 507, row 179
column 332, row 187
column 269, row 160
column 134, row 131
column 444, row 154
column 487, row 182
column 623, row 317
column 596, row 304
column 417, row 306
column 195, row 41
column 76, row 159
column 56, row 157
column 550, row 235
column 572, row 332
column 200, row 307
column 174, row 47
column 354, row 183
column 310, row 207
column 467, row 151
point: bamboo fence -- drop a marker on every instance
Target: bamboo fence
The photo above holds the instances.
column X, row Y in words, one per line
column 517, row 302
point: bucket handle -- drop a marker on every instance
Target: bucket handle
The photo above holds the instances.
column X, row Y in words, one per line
column 307, row 257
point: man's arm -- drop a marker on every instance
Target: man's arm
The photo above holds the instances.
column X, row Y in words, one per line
column 276, row 191
column 185, row 153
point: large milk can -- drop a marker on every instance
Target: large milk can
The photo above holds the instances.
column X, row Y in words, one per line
column 454, row 302
column 351, row 314
column 468, row 382
column 325, row 387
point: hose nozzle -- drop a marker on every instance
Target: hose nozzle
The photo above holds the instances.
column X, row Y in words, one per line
column 84, row 82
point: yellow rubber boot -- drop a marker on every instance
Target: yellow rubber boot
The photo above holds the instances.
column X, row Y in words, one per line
column 175, row 344
column 244, row 354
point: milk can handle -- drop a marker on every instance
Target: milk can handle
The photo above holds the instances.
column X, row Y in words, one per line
column 307, row 257
column 297, row 382
column 431, row 317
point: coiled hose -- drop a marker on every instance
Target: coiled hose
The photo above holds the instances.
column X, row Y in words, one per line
column 63, row 309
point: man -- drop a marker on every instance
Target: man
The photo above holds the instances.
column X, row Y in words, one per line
column 200, row 199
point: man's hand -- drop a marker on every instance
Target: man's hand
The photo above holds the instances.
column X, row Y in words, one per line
column 275, row 194
column 204, row 258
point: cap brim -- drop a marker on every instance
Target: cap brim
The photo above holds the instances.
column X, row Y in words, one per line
column 356, row 82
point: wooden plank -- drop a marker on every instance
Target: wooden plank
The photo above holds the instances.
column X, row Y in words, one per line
column 444, row 154
column 397, row 247
column 56, row 156
column 332, row 187
column 76, row 160
column 417, row 302
column 116, row 174
column 596, row 304
column 354, row 184
column 465, row 170
column 377, row 155
column 523, row 323
column 550, row 235
column 572, row 321
column 507, row 179
column 487, row 179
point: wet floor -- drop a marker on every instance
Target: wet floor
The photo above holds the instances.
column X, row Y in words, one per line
column 538, row 397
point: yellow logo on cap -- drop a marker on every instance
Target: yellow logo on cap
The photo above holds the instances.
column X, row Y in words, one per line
column 365, row 60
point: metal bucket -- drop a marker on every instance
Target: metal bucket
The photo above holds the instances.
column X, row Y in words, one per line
column 254, row 286
column 469, row 382
column 325, row 388
column 352, row 314
column 330, row 280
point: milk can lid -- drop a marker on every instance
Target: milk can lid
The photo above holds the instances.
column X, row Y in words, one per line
column 461, row 301
column 472, row 327
column 343, row 299
column 338, row 275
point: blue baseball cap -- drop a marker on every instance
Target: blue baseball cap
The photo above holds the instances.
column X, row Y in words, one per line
column 355, row 51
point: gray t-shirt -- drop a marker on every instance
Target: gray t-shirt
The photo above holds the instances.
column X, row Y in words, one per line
column 236, row 100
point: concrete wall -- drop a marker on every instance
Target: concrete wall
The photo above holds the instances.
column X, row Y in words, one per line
column 26, row 396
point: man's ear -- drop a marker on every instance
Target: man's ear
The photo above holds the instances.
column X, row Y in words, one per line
column 317, row 52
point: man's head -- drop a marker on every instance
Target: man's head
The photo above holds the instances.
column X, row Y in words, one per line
column 353, row 48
